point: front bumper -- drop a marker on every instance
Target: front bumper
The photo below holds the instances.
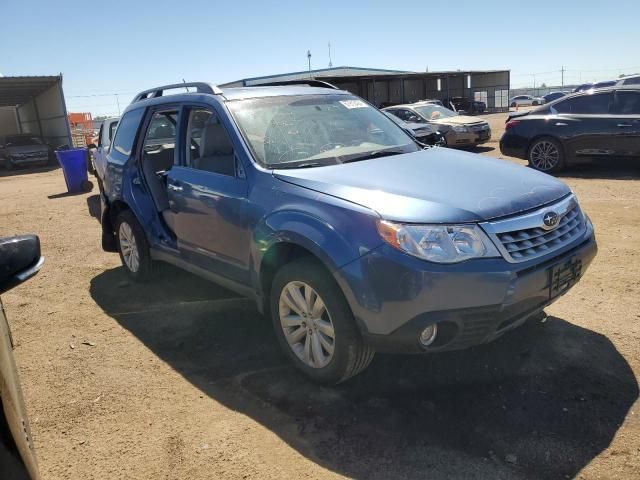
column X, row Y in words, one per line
column 467, row 139
column 395, row 296
column 34, row 160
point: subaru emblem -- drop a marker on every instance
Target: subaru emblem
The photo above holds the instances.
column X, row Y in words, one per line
column 550, row 219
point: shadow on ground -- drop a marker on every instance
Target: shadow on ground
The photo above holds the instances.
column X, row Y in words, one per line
column 610, row 169
column 93, row 205
column 540, row 402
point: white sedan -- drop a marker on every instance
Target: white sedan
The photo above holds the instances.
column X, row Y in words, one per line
column 525, row 100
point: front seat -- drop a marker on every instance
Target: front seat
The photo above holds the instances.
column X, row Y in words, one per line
column 216, row 151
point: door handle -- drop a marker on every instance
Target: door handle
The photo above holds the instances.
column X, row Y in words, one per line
column 175, row 188
column 625, row 125
column 561, row 124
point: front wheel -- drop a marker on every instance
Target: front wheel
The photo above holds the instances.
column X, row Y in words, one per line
column 314, row 324
column 133, row 247
column 546, row 155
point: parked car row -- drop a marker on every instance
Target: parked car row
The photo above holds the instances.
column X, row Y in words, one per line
column 592, row 123
column 349, row 234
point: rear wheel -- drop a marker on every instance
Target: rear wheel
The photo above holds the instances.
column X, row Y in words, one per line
column 314, row 324
column 133, row 247
column 546, row 155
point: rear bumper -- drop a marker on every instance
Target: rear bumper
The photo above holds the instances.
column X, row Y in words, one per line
column 514, row 146
column 395, row 296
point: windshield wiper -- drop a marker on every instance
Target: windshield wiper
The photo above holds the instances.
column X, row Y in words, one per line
column 285, row 165
column 376, row 154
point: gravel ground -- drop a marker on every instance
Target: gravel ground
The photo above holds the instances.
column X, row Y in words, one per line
column 183, row 379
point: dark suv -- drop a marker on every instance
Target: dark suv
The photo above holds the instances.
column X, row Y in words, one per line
column 342, row 228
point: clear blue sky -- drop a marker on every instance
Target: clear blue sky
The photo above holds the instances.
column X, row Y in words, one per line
column 126, row 46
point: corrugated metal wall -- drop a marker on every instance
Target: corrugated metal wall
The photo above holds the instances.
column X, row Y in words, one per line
column 46, row 115
column 386, row 90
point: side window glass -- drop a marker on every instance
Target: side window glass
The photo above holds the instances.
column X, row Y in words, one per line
column 160, row 141
column 403, row 115
column 208, row 146
column 632, row 81
column 628, row 103
column 126, row 135
column 597, row 104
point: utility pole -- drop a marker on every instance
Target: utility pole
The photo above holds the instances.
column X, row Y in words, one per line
column 118, row 102
column 309, row 58
column 330, row 64
column 562, row 71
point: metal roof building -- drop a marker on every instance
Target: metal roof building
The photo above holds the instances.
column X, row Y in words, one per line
column 35, row 105
column 391, row 87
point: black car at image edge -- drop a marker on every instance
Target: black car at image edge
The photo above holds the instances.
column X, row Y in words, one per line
column 601, row 123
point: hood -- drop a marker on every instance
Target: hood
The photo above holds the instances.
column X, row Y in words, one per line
column 459, row 120
column 23, row 149
column 438, row 185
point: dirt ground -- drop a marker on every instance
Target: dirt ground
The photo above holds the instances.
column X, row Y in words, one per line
column 182, row 379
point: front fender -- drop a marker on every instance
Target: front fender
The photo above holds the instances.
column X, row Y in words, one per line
column 325, row 240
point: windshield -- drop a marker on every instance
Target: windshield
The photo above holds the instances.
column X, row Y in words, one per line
column 315, row 130
column 21, row 141
column 434, row 112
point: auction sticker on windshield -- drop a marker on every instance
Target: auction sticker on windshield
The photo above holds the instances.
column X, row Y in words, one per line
column 353, row 104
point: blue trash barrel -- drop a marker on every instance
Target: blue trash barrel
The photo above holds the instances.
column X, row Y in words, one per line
column 74, row 167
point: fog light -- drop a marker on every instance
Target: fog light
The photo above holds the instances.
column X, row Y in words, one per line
column 428, row 335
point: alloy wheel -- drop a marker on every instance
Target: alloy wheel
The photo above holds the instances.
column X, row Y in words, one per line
column 129, row 247
column 306, row 324
column 544, row 155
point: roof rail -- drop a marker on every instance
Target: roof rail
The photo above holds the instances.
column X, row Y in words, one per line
column 200, row 87
column 309, row 82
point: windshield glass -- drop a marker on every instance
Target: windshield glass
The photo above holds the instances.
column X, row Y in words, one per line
column 434, row 112
column 21, row 141
column 315, row 130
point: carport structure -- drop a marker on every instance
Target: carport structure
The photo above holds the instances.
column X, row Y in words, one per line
column 36, row 105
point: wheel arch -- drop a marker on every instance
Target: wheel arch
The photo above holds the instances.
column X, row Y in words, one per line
column 108, row 220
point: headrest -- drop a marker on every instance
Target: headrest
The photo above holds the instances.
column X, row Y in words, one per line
column 163, row 131
column 215, row 141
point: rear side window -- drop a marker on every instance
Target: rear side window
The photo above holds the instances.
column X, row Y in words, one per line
column 160, row 141
column 126, row 135
column 627, row 103
column 597, row 104
column 632, row 81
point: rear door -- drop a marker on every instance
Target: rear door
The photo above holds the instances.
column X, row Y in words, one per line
column 586, row 125
column 208, row 196
column 626, row 111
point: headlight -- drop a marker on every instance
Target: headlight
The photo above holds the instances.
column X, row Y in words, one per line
column 460, row 129
column 438, row 243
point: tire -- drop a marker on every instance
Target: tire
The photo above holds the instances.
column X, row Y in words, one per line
column 349, row 356
column 128, row 228
column 513, row 104
column 535, row 104
column 541, row 155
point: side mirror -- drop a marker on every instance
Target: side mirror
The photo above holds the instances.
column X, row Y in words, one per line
column 19, row 260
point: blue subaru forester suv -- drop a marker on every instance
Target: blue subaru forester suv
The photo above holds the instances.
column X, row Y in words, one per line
column 351, row 236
